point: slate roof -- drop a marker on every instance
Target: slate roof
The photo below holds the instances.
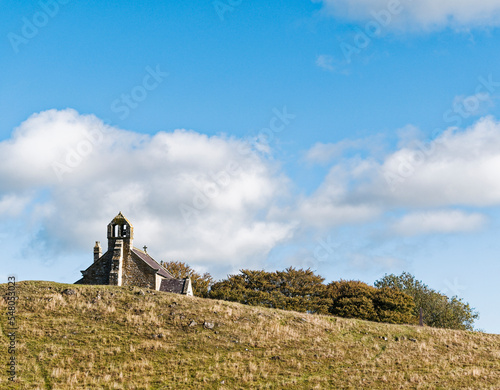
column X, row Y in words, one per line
column 178, row 286
column 152, row 263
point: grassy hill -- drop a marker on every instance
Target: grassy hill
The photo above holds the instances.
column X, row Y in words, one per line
column 105, row 337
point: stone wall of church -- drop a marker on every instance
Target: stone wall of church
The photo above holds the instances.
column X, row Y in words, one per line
column 137, row 273
column 98, row 273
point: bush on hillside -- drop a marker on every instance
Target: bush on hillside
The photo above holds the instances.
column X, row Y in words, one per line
column 291, row 289
column 301, row 290
column 439, row 310
column 355, row 299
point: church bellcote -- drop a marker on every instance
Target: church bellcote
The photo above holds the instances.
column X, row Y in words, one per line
column 120, row 229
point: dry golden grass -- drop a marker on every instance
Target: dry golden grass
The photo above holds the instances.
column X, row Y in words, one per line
column 107, row 337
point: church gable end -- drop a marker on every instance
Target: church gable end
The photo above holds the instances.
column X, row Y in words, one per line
column 136, row 272
column 98, row 272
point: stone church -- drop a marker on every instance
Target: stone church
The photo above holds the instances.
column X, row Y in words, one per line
column 124, row 265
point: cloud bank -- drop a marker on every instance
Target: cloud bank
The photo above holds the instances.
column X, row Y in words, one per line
column 438, row 222
column 220, row 205
column 419, row 14
column 190, row 197
column 457, row 169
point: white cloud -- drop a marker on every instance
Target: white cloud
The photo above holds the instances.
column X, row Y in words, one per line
column 192, row 197
column 448, row 221
column 12, row 205
column 419, row 14
column 332, row 203
column 459, row 168
column 322, row 153
column 325, row 61
column 331, row 214
column 212, row 202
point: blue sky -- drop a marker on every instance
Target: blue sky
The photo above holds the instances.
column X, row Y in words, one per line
column 354, row 137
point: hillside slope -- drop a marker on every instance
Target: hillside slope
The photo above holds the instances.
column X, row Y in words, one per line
column 127, row 338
